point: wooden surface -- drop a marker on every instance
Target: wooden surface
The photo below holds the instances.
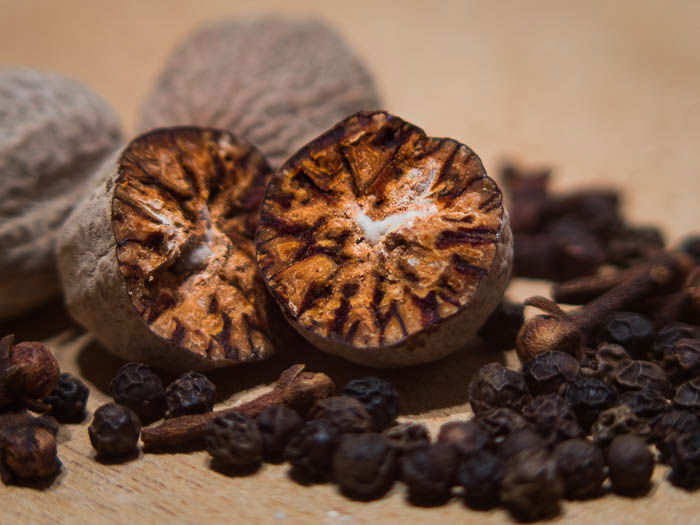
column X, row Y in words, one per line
column 606, row 93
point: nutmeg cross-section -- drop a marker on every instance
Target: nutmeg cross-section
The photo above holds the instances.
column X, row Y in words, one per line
column 384, row 245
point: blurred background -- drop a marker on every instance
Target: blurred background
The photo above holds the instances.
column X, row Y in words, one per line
column 603, row 92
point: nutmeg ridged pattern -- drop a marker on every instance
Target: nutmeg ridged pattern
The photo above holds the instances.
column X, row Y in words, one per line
column 273, row 81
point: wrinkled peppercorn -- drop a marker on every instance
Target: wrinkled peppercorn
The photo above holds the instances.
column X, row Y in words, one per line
column 549, row 371
column 681, row 361
column 501, row 328
column 495, row 386
column 588, row 397
column 379, row 398
column 636, row 375
column 684, row 459
column 234, row 440
column 27, row 447
column 670, row 334
column 364, row 465
column 277, row 425
column 406, row 437
column 553, row 417
column 645, row 402
column 581, row 465
column 670, row 424
column 525, row 438
column 310, row 450
column 428, row 472
column 531, row 486
column 602, row 362
column 480, row 474
column 137, row 386
column 68, row 399
column 500, row 422
column 347, row 413
column 616, row 421
column 631, row 330
column 691, row 245
column 114, row 430
column 464, row 437
column 688, row 395
column 630, row 463
column 191, row 393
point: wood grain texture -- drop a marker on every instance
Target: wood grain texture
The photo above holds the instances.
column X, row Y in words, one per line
column 605, row 93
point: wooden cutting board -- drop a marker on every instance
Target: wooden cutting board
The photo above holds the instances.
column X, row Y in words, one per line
column 605, row 93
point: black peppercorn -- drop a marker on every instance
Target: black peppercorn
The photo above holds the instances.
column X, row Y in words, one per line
column 464, row 437
column 428, row 472
column 604, row 361
column 525, row 438
column 27, row 447
column 691, row 245
column 581, row 466
column 191, row 393
column 137, row 386
column 553, row 417
column 670, row 334
column 549, row 371
column 501, row 328
column 234, row 440
column 688, row 395
column 588, row 397
column 480, row 474
column 347, row 413
column 310, row 450
column 406, row 437
column 645, row 402
column 68, row 399
column 277, row 425
column 531, row 486
column 636, row 375
column 379, row 398
column 500, row 422
column 364, row 465
column 631, row 330
column 630, row 463
column 684, row 459
column 681, row 361
column 617, row 421
column 114, row 430
column 495, row 386
column 670, row 424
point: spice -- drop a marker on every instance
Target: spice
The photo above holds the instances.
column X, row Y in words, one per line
column 114, row 431
column 406, row 437
column 670, row 334
column 688, row 395
column 136, row 385
column 191, row 393
column 581, row 466
column 495, row 386
column 501, row 328
column 310, row 451
column 681, row 361
column 646, row 402
column 636, row 375
column 480, row 474
column 630, row 464
column 234, row 440
column 616, row 421
column 543, row 333
column 553, row 417
column 27, row 447
column 500, row 422
column 295, row 388
column 68, row 399
column 347, row 413
column 684, row 458
column 464, row 437
column 632, row 244
column 549, row 372
column 528, row 192
column 588, row 397
column 526, row 438
column 669, row 425
column 364, row 465
column 277, row 425
column 428, row 472
column 604, row 361
column 379, row 398
column 531, row 486
column 691, row 246
column 28, row 371
column 631, row 330
column 582, row 290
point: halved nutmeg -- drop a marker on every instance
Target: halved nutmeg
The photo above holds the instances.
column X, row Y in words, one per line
column 383, row 245
column 159, row 262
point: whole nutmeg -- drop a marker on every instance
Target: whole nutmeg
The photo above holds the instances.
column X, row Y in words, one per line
column 274, row 81
column 544, row 333
column 55, row 132
column 35, row 370
column 383, row 245
column 158, row 262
